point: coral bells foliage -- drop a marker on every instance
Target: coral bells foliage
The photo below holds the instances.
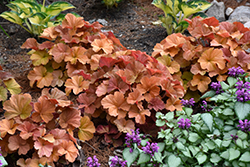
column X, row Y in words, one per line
column 123, row 85
column 210, row 51
column 43, row 130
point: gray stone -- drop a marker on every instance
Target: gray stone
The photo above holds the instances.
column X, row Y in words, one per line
column 239, row 1
column 240, row 14
column 102, row 21
column 217, row 10
column 247, row 24
column 229, row 11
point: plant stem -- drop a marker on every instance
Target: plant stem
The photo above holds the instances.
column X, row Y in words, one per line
column 43, row 3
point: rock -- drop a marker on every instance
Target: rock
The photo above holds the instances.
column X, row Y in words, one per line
column 239, row 1
column 229, row 11
column 217, row 10
column 103, row 22
column 247, row 24
column 240, row 14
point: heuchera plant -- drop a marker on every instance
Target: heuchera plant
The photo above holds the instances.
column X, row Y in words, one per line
column 7, row 85
column 206, row 55
column 175, row 11
column 34, row 15
column 219, row 137
column 43, row 131
column 122, row 86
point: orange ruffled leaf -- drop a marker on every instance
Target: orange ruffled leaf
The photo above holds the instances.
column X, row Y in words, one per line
column 138, row 114
column 59, row 51
column 103, row 44
column 68, row 148
column 16, row 142
column 77, row 84
column 26, row 128
column 200, row 81
column 40, row 75
column 7, row 126
column 124, row 125
column 44, row 147
column 18, row 105
column 70, row 118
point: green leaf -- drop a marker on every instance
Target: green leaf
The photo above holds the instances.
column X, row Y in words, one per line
column 225, row 154
column 158, row 157
column 174, row 161
column 194, row 150
column 218, row 142
column 201, row 157
column 233, row 154
column 37, row 18
column 161, row 4
column 224, row 85
column 210, row 144
column 188, row 111
column 144, row 142
column 228, row 111
column 12, row 86
column 245, row 157
column 3, row 93
column 130, row 157
column 225, row 143
column 193, row 137
column 160, row 122
column 215, row 158
column 208, row 120
column 143, row 158
column 3, row 161
column 232, row 81
column 58, row 5
column 161, row 146
column 210, row 93
column 180, row 146
column 239, row 143
column 242, row 135
column 12, row 16
column 169, row 116
column 242, row 109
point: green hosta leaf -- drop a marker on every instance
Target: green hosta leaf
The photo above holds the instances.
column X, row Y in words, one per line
column 201, row 157
column 201, row 14
column 174, row 161
column 161, row 4
column 130, row 157
column 59, row 5
column 210, row 93
column 3, row 93
column 37, row 18
column 245, row 157
column 3, row 161
column 242, row 109
column 215, row 158
column 12, row 16
column 232, row 81
column 143, row 158
column 208, row 119
column 12, row 86
column 233, row 154
column 193, row 137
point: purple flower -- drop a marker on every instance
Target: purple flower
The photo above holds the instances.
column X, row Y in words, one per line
column 243, row 95
column 188, row 103
column 93, row 162
column 150, row 148
column 205, row 107
column 217, row 87
column 244, row 126
column 234, row 137
column 235, row 72
column 184, row 124
column 116, row 162
column 132, row 138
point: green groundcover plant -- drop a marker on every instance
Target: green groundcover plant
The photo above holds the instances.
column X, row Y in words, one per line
column 111, row 3
column 216, row 136
column 35, row 17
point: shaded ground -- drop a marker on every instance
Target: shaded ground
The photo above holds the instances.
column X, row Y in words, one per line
column 131, row 24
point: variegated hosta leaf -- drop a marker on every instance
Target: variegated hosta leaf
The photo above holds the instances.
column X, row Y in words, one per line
column 193, row 6
column 56, row 7
column 161, row 4
column 37, row 18
column 12, row 16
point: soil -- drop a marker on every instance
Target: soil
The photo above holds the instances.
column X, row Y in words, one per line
column 131, row 23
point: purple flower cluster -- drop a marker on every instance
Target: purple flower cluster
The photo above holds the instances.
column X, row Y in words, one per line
column 217, row 87
column 132, row 138
column 116, row 162
column 205, row 107
column 93, row 162
column 188, row 103
column 244, row 126
column 150, row 148
column 243, row 90
column 234, row 137
column 184, row 124
column 235, row 72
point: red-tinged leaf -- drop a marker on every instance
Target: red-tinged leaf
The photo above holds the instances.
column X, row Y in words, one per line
column 72, row 22
column 86, row 129
column 49, row 33
column 68, row 148
column 103, row 44
column 102, row 89
column 59, row 51
column 59, row 135
column 245, row 39
column 156, row 104
column 135, row 97
column 40, row 57
column 30, row 43
column 40, row 75
column 77, row 84
column 138, row 114
column 18, row 105
column 16, row 142
column 106, row 129
column 86, row 102
column 239, row 26
column 44, row 110
column 107, row 61
column 114, row 39
column 7, row 126
column 44, row 147
column 243, row 58
column 124, row 125
column 58, row 95
column 58, row 78
column 77, row 54
column 73, row 69
column 5, row 75
column 70, row 118
column 46, row 45
column 26, row 129
column 196, row 69
column 140, row 56
column 49, row 137
column 85, row 76
column 116, row 105
column 116, row 83
column 211, row 21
